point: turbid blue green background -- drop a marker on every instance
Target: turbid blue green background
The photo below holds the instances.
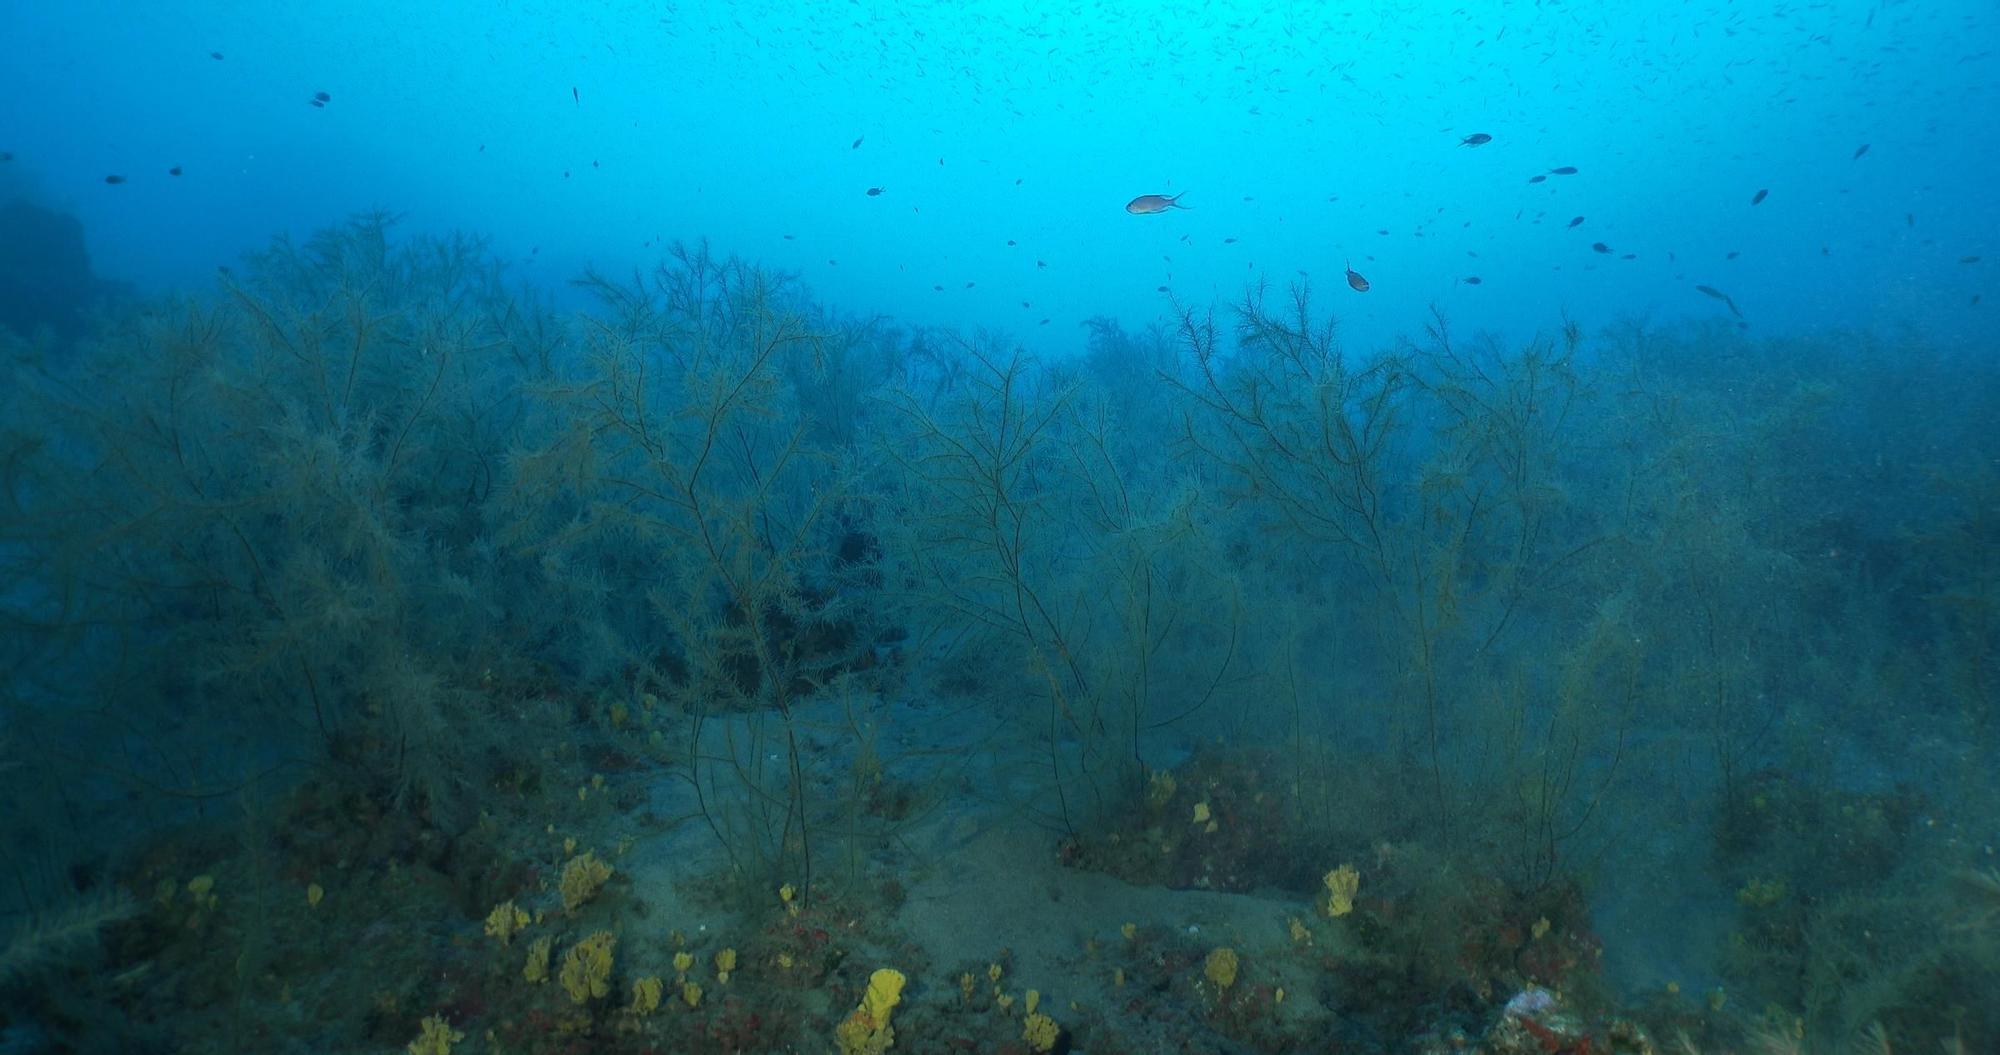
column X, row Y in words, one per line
column 1312, row 135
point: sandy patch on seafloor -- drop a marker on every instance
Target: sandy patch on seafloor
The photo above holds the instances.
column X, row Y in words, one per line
column 1002, row 889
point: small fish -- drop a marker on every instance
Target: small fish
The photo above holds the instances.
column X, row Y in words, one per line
column 856, row 145
column 216, row 55
column 1146, row 204
column 175, row 171
column 1566, row 170
column 1858, row 151
column 969, row 285
column 6, row 155
column 1010, row 241
column 1576, row 221
column 114, row 180
column 1472, row 280
column 1721, row 296
column 938, row 288
column 316, row 104
column 1968, row 260
column 322, row 97
column 1355, row 281
column 1044, row 322
column 1536, row 179
column 874, row 192
column 1600, row 247
column 1040, row 265
column 1159, row 289
column 575, row 96
column 1758, row 198
column 1475, row 139
column 1733, row 254
column 790, row 237
column 1229, row 241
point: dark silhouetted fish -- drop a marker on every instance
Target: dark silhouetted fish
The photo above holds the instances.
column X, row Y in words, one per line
column 216, row 55
column 6, row 155
column 1147, row 204
column 1576, row 221
column 1600, row 247
column 175, row 171
column 1472, row 280
column 1968, row 260
column 1858, row 151
column 322, row 97
column 114, row 180
column 874, row 192
column 1566, row 170
column 1758, row 198
column 1355, row 281
column 856, row 145
column 1721, row 296
column 1475, row 139
column 1536, row 179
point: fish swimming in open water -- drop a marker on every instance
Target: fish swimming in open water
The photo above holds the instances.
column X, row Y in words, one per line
column 1354, row 280
column 1721, row 296
column 1146, row 204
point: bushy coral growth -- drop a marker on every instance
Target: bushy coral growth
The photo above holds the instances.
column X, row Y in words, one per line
column 361, row 610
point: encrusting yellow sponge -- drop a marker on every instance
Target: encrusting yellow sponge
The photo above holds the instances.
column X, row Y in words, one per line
column 867, row 1030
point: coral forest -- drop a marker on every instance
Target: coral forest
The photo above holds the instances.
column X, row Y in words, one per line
column 397, row 662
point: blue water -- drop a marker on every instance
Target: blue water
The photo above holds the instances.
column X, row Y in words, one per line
column 1034, row 497
column 1314, row 139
